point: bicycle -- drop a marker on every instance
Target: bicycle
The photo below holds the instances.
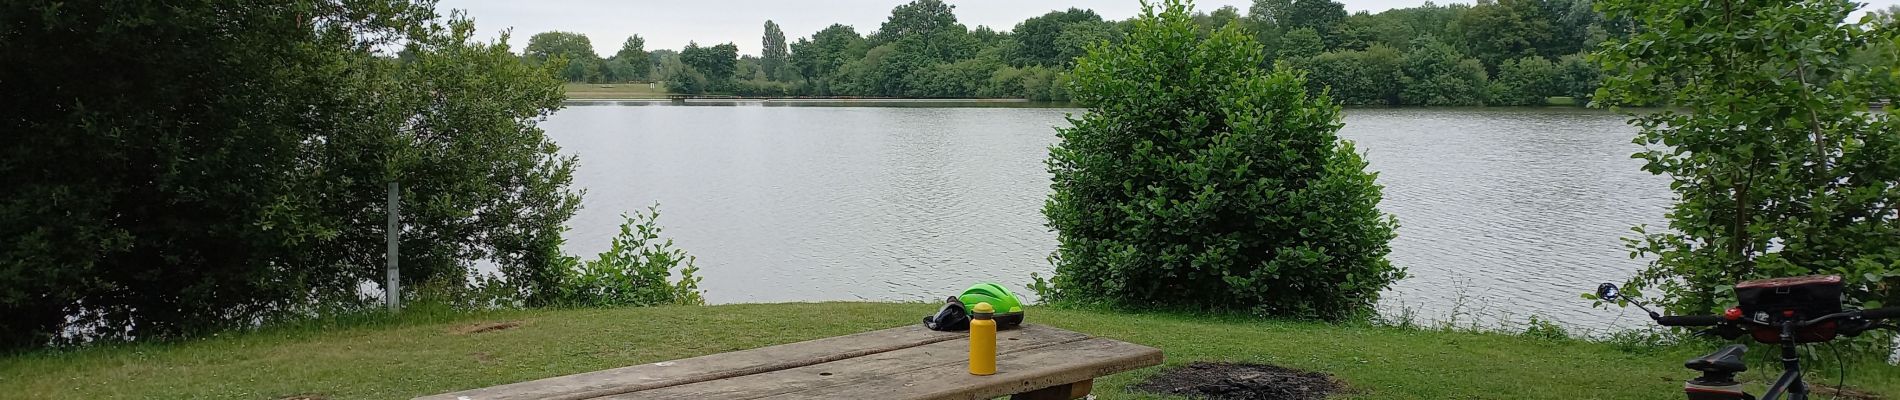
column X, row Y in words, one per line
column 1771, row 311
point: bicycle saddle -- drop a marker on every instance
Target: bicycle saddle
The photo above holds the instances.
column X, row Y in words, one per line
column 1726, row 360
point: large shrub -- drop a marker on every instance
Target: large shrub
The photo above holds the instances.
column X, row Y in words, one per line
column 1778, row 167
column 1198, row 180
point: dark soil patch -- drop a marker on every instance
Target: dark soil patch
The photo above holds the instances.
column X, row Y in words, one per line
column 1839, row 393
column 1230, row 381
column 484, row 327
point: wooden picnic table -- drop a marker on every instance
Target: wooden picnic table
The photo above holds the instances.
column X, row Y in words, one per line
column 1033, row 362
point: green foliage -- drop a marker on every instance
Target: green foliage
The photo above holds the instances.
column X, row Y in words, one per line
column 1545, row 329
column 1778, row 167
column 1579, row 77
column 1435, row 74
column 715, row 66
column 774, row 56
column 1319, row 15
column 1527, row 82
column 1301, row 43
column 581, row 64
column 1045, row 84
column 1369, row 77
column 825, row 53
column 1504, row 30
column 1198, row 180
column 634, row 271
column 631, row 63
column 575, row 52
column 921, row 43
column 178, row 168
column 681, row 78
column 1037, row 38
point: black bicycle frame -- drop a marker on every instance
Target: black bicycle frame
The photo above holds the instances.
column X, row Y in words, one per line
column 1790, row 381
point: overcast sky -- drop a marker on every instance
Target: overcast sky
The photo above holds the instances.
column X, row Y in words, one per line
column 670, row 24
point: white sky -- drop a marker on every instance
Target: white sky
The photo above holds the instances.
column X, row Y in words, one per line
column 670, row 24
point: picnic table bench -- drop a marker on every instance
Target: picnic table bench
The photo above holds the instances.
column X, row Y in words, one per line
column 1033, row 362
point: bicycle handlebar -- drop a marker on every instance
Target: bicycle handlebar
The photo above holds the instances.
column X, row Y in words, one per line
column 1688, row 320
column 1881, row 313
column 1712, row 320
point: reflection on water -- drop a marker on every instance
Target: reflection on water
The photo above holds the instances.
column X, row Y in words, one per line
column 1503, row 213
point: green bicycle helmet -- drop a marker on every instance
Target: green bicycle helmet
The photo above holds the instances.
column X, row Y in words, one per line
column 955, row 317
column 1009, row 310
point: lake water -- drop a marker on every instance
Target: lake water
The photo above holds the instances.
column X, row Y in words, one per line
column 1504, row 213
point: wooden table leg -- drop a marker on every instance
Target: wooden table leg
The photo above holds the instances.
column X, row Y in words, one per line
column 1069, row 391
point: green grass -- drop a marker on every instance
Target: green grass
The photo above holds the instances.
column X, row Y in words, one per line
column 583, row 91
column 419, row 355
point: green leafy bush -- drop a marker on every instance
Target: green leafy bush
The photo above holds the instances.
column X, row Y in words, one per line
column 634, row 271
column 1198, row 180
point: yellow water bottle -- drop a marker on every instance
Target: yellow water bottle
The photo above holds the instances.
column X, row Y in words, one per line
column 983, row 340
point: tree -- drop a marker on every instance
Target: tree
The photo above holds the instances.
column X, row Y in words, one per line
column 1076, row 38
column 1778, row 167
column 1268, row 21
column 681, row 78
column 574, row 48
column 1578, row 78
column 1435, row 74
column 921, row 33
column 174, row 169
column 1527, row 81
column 1198, row 180
column 1217, row 19
column 1036, row 38
column 1504, row 30
column 1364, row 77
column 1301, row 42
column 1320, row 15
column 826, row 52
column 717, row 63
column 631, row 63
column 774, row 55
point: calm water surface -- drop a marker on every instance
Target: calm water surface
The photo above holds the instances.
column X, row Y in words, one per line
column 1503, row 213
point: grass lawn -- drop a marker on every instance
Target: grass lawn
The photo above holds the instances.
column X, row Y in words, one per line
column 583, row 91
column 431, row 354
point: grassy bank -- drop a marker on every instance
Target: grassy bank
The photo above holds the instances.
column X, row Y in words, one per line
column 431, row 354
column 585, row 91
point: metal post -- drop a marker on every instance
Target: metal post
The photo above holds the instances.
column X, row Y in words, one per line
column 392, row 287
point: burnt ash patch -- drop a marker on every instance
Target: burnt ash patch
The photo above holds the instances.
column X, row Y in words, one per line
column 1239, row 381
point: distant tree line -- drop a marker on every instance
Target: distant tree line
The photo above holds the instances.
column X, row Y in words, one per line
column 1509, row 52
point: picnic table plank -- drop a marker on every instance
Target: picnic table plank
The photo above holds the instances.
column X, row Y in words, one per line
column 900, row 363
column 705, row 368
column 1017, row 372
column 952, row 353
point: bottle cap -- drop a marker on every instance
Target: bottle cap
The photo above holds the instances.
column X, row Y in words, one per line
column 982, row 310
